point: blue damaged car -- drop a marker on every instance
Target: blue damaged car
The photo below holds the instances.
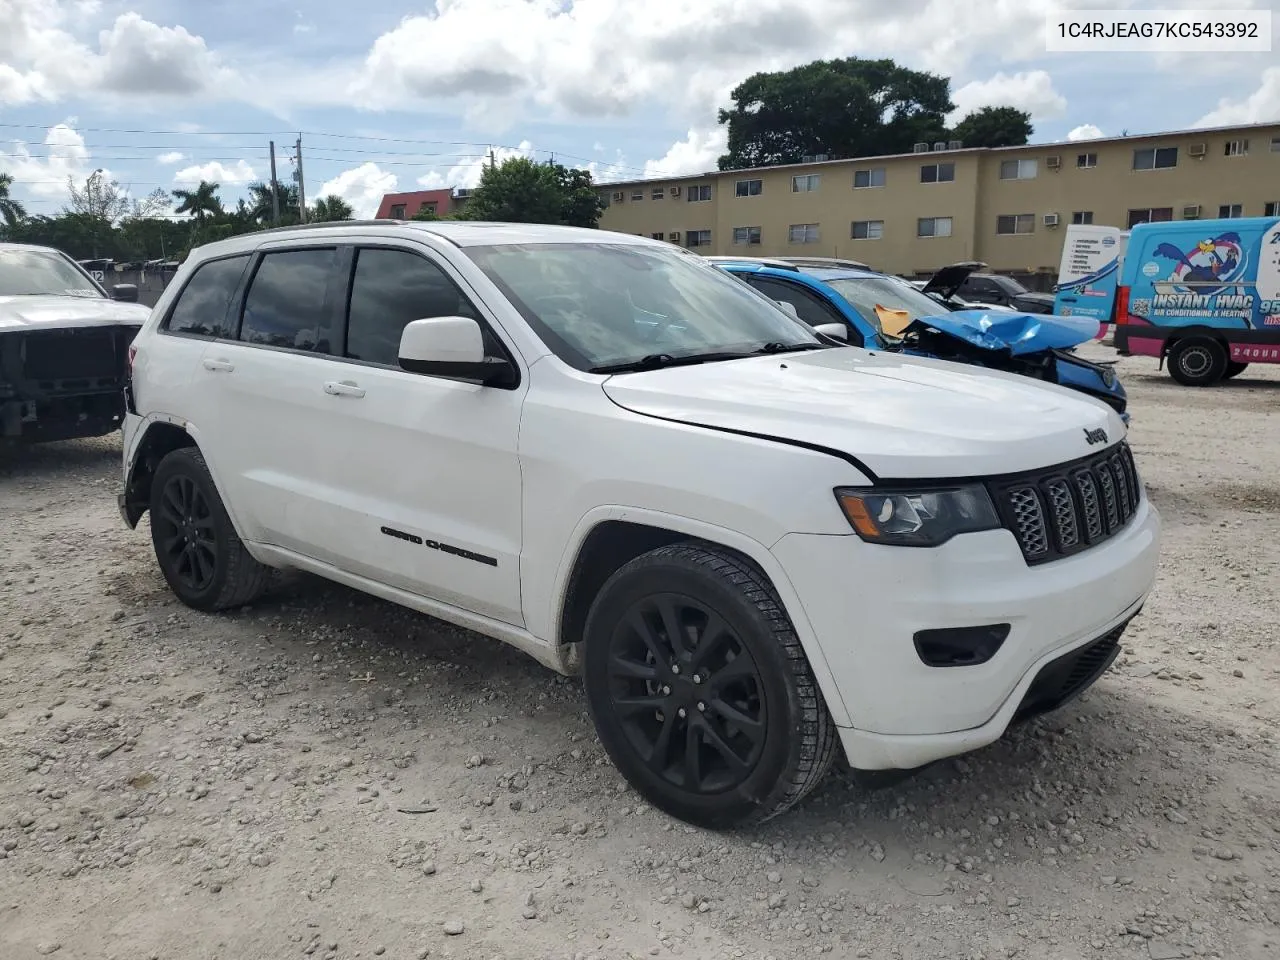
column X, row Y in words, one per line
column 883, row 312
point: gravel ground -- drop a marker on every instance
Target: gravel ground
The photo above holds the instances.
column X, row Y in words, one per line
column 324, row 775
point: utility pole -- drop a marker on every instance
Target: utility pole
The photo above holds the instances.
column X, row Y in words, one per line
column 302, row 193
column 492, row 162
column 275, row 189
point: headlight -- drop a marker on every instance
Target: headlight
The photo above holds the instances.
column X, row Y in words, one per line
column 917, row 518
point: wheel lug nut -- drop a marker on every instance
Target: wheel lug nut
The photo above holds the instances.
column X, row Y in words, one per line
column 675, row 668
column 702, row 707
column 666, row 691
column 697, row 678
column 681, row 713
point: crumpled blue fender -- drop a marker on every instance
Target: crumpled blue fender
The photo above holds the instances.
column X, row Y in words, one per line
column 1018, row 333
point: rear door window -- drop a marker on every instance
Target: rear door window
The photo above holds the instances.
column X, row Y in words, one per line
column 287, row 304
column 202, row 307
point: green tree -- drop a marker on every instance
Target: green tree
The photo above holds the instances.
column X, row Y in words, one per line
column 260, row 202
column 842, row 108
column 10, row 209
column 994, row 127
column 99, row 197
column 330, row 208
column 520, row 190
column 202, row 202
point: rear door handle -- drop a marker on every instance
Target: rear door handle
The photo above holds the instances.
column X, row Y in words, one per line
column 223, row 365
column 343, row 388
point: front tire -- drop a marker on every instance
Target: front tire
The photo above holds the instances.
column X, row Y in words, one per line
column 202, row 558
column 700, row 690
column 1197, row 361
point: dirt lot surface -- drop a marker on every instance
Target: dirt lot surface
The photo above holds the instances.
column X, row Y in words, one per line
column 324, row 775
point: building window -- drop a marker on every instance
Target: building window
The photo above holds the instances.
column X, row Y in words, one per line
column 802, row 233
column 699, row 194
column 655, row 236
column 637, row 194
column 698, row 238
column 1016, row 223
column 868, row 178
column 1082, row 216
column 618, row 196
column 1272, row 209
column 806, row 183
column 658, row 193
column 1275, row 144
column 1086, row 161
column 933, row 226
column 937, row 173
column 1229, row 210
column 1155, row 158
column 397, row 211
column 1237, row 148
column 867, row 229
column 1018, row 169
column 748, row 188
column 746, row 236
column 428, row 208
column 1150, row 215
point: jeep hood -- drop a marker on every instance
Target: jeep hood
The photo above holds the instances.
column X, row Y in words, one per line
column 900, row 417
column 53, row 313
column 1017, row 333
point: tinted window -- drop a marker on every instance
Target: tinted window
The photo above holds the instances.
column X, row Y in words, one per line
column 285, row 306
column 202, row 304
column 390, row 289
column 811, row 308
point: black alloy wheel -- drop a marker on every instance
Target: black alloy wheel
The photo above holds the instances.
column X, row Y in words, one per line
column 186, row 533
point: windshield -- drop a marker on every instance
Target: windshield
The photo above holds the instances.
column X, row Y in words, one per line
column 867, row 293
column 38, row 272
column 605, row 304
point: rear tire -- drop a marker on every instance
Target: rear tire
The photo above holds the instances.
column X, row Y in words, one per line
column 201, row 556
column 700, row 690
column 1234, row 369
column 1197, row 361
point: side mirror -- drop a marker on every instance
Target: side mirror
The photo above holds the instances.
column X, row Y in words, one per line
column 125, row 292
column 837, row 331
column 788, row 308
column 453, row 348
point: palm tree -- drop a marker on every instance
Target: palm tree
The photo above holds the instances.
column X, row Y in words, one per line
column 201, row 203
column 11, row 210
column 260, row 202
column 330, row 208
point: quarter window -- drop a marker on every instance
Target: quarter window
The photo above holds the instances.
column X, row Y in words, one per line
column 285, row 306
column 390, row 288
column 202, row 305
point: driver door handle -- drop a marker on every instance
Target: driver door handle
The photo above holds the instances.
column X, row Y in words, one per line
column 223, row 365
column 343, row 388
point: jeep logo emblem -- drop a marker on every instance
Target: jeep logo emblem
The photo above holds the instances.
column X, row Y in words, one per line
column 1095, row 436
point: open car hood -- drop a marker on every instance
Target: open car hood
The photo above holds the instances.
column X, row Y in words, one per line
column 1018, row 333
column 947, row 280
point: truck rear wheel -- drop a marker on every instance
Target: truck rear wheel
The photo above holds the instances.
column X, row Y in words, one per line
column 700, row 690
column 1197, row 361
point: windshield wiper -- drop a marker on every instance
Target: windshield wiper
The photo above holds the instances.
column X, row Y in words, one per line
column 774, row 346
column 656, row 361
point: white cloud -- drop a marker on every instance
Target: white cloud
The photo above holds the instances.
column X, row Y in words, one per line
column 42, row 58
column 170, row 156
column 696, row 153
column 362, row 187
column 1031, row 91
column 1261, row 106
column 215, row 172
column 44, row 175
column 608, row 57
column 1086, row 131
column 466, row 172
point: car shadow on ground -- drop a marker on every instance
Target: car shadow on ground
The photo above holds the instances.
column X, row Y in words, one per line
column 40, row 461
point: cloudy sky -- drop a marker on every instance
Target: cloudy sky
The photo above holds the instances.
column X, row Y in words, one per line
column 395, row 94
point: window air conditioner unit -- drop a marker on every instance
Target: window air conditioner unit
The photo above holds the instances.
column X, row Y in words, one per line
column 462, row 193
column 619, row 196
column 920, row 147
column 1191, row 212
column 1053, row 163
column 1050, row 219
column 675, row 191
column 940, row 145
column 1197, row 150
column 954, row 144
column 674, row 236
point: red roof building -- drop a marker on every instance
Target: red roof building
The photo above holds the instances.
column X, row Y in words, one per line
column 405, row 206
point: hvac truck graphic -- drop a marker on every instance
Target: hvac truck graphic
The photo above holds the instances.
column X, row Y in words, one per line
column 1203, row 293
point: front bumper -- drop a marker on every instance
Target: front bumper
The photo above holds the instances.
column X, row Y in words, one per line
column 865, row 602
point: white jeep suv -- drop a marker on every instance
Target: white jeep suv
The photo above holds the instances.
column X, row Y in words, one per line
column 755, row 544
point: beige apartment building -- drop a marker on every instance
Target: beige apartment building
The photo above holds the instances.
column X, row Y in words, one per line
column 913, row 213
